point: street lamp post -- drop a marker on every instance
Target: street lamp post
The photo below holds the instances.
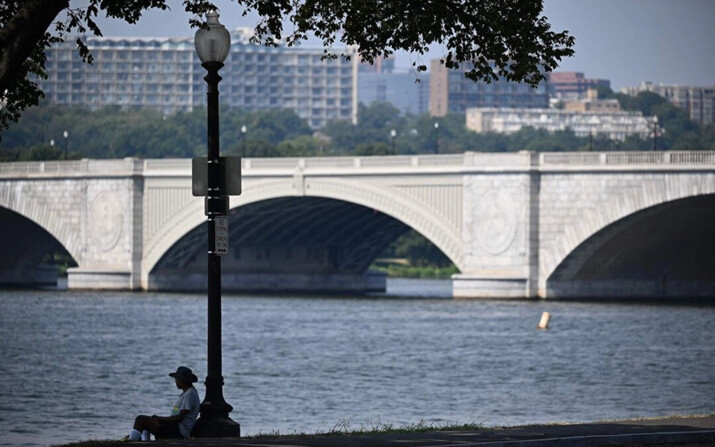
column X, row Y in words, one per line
column 212, row 46
column 655, row 133
column 393, row 134
column 243, row 140
column 67, row 142
column 436, row 138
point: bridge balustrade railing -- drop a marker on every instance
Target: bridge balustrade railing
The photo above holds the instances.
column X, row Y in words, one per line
column 627, row 158
column 635, row 158
column 113, row 166
column 271, row 163
column 508, row 159
column 692, row 157
column 390, row 161
column 34, row 167
column 441, row 160
column 167, row 164
column 330, row 162
column 590, row 158
column 520, row 160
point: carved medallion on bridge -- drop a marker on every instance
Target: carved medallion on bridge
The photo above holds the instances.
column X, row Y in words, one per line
column 106, row 220
column 495, row 220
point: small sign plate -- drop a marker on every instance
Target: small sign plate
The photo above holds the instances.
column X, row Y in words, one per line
column 221, row 233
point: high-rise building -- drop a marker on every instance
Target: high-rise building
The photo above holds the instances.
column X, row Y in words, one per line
column 452, row 92
column 698, row 102
column 409, row 92
column 381, row 64
column 165, row 73
column 572, row 85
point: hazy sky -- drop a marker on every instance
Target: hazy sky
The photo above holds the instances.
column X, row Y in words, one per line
column 626, row 41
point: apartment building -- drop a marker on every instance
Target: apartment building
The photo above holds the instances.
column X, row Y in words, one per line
column 698, row 102
column 452, row 92
column 408, row 91
column 166, row 74
column 572, row 85
column 614, row 125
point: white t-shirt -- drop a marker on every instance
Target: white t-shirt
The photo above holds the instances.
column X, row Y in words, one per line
column 189, row 400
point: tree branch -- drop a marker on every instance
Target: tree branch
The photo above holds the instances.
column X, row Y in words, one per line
column 19, row 37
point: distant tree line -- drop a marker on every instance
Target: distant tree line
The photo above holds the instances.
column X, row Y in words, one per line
column 146, row 133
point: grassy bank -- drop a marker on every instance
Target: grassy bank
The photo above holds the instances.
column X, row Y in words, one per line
column 408, row 271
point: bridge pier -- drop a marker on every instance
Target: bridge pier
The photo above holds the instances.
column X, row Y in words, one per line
column 101, row 279
column 466, row 286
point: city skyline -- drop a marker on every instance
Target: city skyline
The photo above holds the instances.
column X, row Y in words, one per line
column 626, row 41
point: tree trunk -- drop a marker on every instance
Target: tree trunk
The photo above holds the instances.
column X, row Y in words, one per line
column 20, row 35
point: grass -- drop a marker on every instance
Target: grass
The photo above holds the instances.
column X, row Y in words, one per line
column 406, row 271
column 341, row 428
column 345, row 427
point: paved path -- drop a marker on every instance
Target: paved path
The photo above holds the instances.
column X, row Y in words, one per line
column 690, row 431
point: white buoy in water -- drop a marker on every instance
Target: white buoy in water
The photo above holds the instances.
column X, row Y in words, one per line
column 544, row 323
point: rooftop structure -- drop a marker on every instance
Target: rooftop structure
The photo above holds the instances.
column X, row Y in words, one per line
column 592, row 104
column 615, row 125
column 166, row 74
column 572, row 85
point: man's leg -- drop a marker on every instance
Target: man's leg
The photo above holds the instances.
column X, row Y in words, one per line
column 148, row 423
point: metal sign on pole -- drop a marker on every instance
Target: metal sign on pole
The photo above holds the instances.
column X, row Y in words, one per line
column 221, row 235
column 231, row 174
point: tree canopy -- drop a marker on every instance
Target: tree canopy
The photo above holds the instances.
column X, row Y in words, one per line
column 147, row 133
column 498, row 38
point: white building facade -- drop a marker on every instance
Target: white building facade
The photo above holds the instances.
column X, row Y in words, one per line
column 616, row 125
column 166, row 74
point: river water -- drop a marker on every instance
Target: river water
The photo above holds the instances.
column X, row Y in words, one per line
column 77, row 366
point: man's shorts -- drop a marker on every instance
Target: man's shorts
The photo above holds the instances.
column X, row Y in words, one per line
column 169, row 430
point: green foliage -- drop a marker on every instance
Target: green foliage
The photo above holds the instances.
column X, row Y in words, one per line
column 404, row 271
column 116, row 133
column 677, row 130
column 419, row 251
column 424, row 259
column 147, row 133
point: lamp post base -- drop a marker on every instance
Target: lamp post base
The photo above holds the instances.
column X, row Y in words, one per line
column 216, row 427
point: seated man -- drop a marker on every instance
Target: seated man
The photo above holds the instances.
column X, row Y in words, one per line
column 183, row 415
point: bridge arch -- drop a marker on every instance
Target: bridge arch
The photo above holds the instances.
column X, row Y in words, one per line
column 39, row 210
column 391, row 203
column 27, row 251
column 647, row 193
column 664, row 250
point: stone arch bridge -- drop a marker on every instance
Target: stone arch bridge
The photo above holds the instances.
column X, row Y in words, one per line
column 551, row 225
